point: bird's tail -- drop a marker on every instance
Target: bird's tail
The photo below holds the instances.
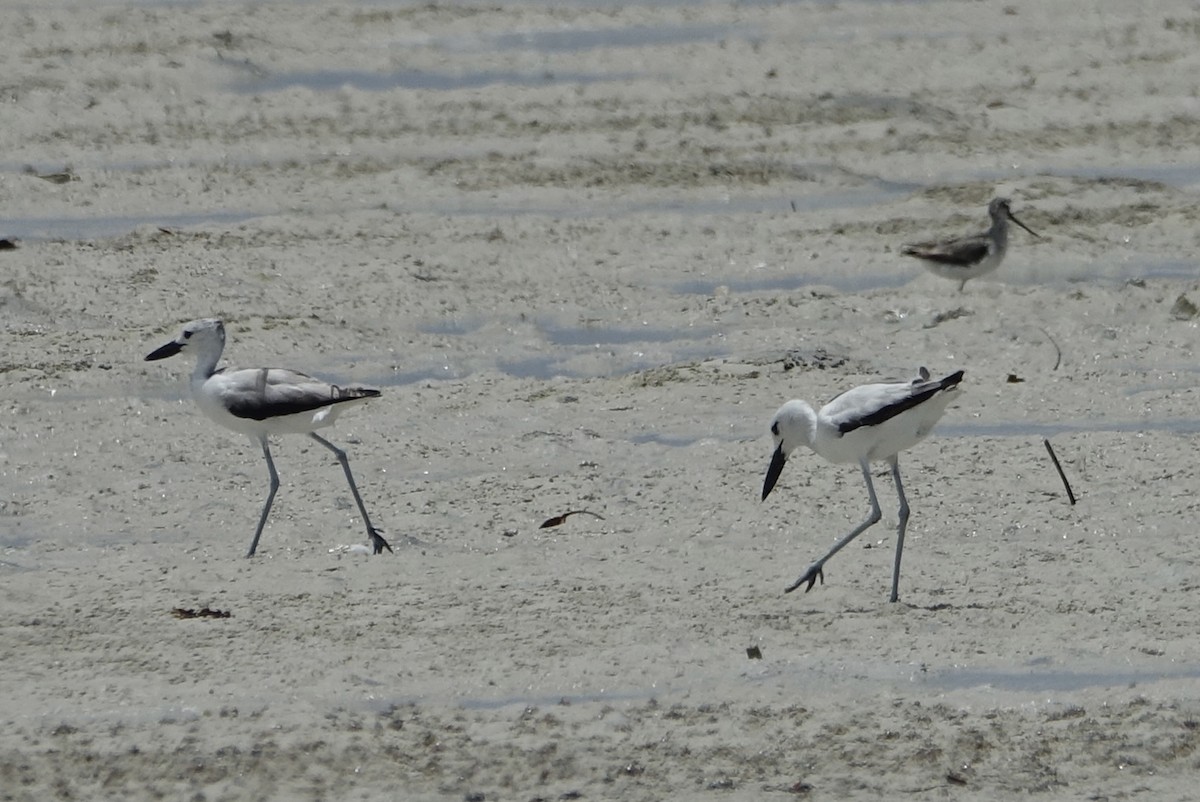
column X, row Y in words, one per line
column 951, row 381
column 353, row 392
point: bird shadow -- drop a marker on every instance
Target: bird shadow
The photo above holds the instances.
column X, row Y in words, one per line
column 940, row 606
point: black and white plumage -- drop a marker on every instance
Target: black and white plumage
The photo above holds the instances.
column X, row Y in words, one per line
column 869, row 423
column 263, row 401
column 969, row 257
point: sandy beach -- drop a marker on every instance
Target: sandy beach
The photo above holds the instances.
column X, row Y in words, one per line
column 586, row 250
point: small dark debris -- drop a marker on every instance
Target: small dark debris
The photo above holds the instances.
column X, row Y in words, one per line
column 1183, row 309
column 816, row 359
column 1074, row 711
column 634, row 769
column 1014, row 379
column 65, row 177
column 800, row 787
column 477, row 796
column 943, row 317
column 509, row 533
column 559, row 520
column 754, row 653
column 571, row 795
column 954, row 778
column 8, row 245
column 203, row 612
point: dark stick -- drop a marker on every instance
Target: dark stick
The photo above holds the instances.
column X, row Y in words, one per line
column 1061, row 475
column 1057, row 362
column 558, row 520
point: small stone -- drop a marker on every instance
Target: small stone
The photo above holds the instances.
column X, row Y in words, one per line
column 1183, row 309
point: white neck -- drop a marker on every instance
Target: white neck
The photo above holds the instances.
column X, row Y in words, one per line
column 208, row 354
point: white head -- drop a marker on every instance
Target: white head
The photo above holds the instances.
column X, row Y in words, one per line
column 795, row 424
column 206, row 337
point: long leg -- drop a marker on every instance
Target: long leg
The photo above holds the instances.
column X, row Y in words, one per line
column 815, row 571
column 376, row 539
column 900, row 529
column 262, row 521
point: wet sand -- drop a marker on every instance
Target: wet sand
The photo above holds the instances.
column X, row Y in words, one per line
column 587, row 252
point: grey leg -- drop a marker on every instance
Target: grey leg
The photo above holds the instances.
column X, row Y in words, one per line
column 815, row 571
column 377, row 540
column 903, row 526
column 262, row 521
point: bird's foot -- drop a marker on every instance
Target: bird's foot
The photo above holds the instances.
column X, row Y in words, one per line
column 810, row 576
column 378, row 542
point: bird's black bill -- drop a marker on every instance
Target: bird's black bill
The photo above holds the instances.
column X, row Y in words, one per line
column 776, row 468
column 170, row 349
column 1013, row 217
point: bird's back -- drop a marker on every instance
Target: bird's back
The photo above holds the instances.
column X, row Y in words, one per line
column 960, row 252
column 877, row 421
column 275, row 400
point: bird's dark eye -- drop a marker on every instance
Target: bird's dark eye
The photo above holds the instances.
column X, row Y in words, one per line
column 187, row 335
column 775, row 428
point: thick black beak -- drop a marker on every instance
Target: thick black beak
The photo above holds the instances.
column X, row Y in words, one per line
column 170, row 349
column 777, row 461
column 1013, row 217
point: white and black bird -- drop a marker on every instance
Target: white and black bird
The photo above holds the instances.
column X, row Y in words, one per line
column 969, row 257
column 870, row 423
column 259, row 402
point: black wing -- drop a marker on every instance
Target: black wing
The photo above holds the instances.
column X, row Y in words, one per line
column 267, row 393
column 920, row 395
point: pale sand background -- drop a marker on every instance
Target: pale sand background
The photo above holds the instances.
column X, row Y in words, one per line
column 587, row 252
